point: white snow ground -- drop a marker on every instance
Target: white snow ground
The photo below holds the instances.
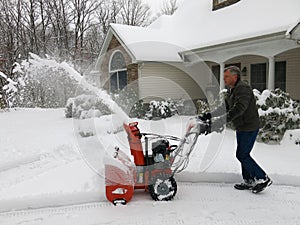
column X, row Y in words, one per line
column 50, row 175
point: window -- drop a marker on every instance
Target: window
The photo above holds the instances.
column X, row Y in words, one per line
column 258, row 76
column 117, row 72
column 216, row 71
column 280, row 75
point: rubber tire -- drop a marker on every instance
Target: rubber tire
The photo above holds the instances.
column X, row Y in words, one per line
column 159, row 189
column 119, row 201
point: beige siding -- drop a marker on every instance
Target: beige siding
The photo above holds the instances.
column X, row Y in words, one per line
column 292, row 59
column 159, row 80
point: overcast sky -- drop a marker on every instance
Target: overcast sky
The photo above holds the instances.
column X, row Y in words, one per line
column 156, row 5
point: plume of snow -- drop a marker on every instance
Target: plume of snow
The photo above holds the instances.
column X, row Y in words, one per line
column 74, row 75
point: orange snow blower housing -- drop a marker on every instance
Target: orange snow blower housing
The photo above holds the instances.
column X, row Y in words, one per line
column 134, row 139
column 152, row 172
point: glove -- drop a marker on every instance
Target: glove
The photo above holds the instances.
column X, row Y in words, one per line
column 218, row 123
column 205, row 126
column 205, row 117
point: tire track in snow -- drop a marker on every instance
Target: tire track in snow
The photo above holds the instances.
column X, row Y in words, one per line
column 205, row 204
column 34, row 166
column 57, row 210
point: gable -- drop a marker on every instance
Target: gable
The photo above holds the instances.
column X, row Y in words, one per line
column 110, row 45
column 294, row 32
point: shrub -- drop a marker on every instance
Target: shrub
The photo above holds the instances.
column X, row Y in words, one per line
column 129, row 101
column 161, row 109
column 202, row 106
column 85, row 106
column 277, row 113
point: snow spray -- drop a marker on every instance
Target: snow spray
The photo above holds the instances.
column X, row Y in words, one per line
column 102, row 94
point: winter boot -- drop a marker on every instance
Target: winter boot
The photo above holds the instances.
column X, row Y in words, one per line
column 247, row 185
column 261, row 185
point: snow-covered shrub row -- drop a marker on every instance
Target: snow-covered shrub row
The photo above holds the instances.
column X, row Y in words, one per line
column 85, row 106
column 89, row 106
column 128, row 100
column 161, row 109
column 277, row 113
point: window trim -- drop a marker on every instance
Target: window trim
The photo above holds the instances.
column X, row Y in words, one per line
column 110, row 72
column 110, row 60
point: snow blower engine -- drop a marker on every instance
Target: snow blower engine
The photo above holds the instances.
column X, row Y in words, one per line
column 151, row 170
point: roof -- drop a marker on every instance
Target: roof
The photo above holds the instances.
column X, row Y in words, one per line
column 194, row 25
column 294, row 31
column 147, row 44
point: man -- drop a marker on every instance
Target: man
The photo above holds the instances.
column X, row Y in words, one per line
column 242, row 112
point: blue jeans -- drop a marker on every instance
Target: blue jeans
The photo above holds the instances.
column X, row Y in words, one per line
column 250, row 169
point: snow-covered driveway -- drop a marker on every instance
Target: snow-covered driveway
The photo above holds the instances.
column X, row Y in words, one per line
column 196, row 203
column 45, row 181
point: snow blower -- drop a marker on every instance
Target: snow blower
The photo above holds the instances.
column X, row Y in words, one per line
column 152, row 170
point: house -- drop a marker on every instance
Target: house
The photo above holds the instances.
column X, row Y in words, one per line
column 183, row 55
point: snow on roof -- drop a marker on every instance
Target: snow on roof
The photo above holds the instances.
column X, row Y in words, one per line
column 162, row 21
column 147, row 44
column 194, row 25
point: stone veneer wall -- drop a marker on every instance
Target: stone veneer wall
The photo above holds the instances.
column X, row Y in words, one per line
column 132, row 69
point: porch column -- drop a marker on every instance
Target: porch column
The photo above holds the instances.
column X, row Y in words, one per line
column 222, row 67
column 271, row 78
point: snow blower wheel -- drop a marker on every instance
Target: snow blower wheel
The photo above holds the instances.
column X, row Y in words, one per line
column 163, row 188
column 119, row 202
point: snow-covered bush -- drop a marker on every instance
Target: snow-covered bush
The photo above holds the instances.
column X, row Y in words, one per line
column 277, row 113
column 42, row 83
column 128, row 100
column 85, row 106
column 161, row 109
column 7, row 91
column 202, row 106
column 138, row 110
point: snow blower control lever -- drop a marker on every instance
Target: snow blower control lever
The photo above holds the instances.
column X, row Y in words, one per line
column 152, row 169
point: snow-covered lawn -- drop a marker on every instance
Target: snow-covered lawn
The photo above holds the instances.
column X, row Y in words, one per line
column 45, row 163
